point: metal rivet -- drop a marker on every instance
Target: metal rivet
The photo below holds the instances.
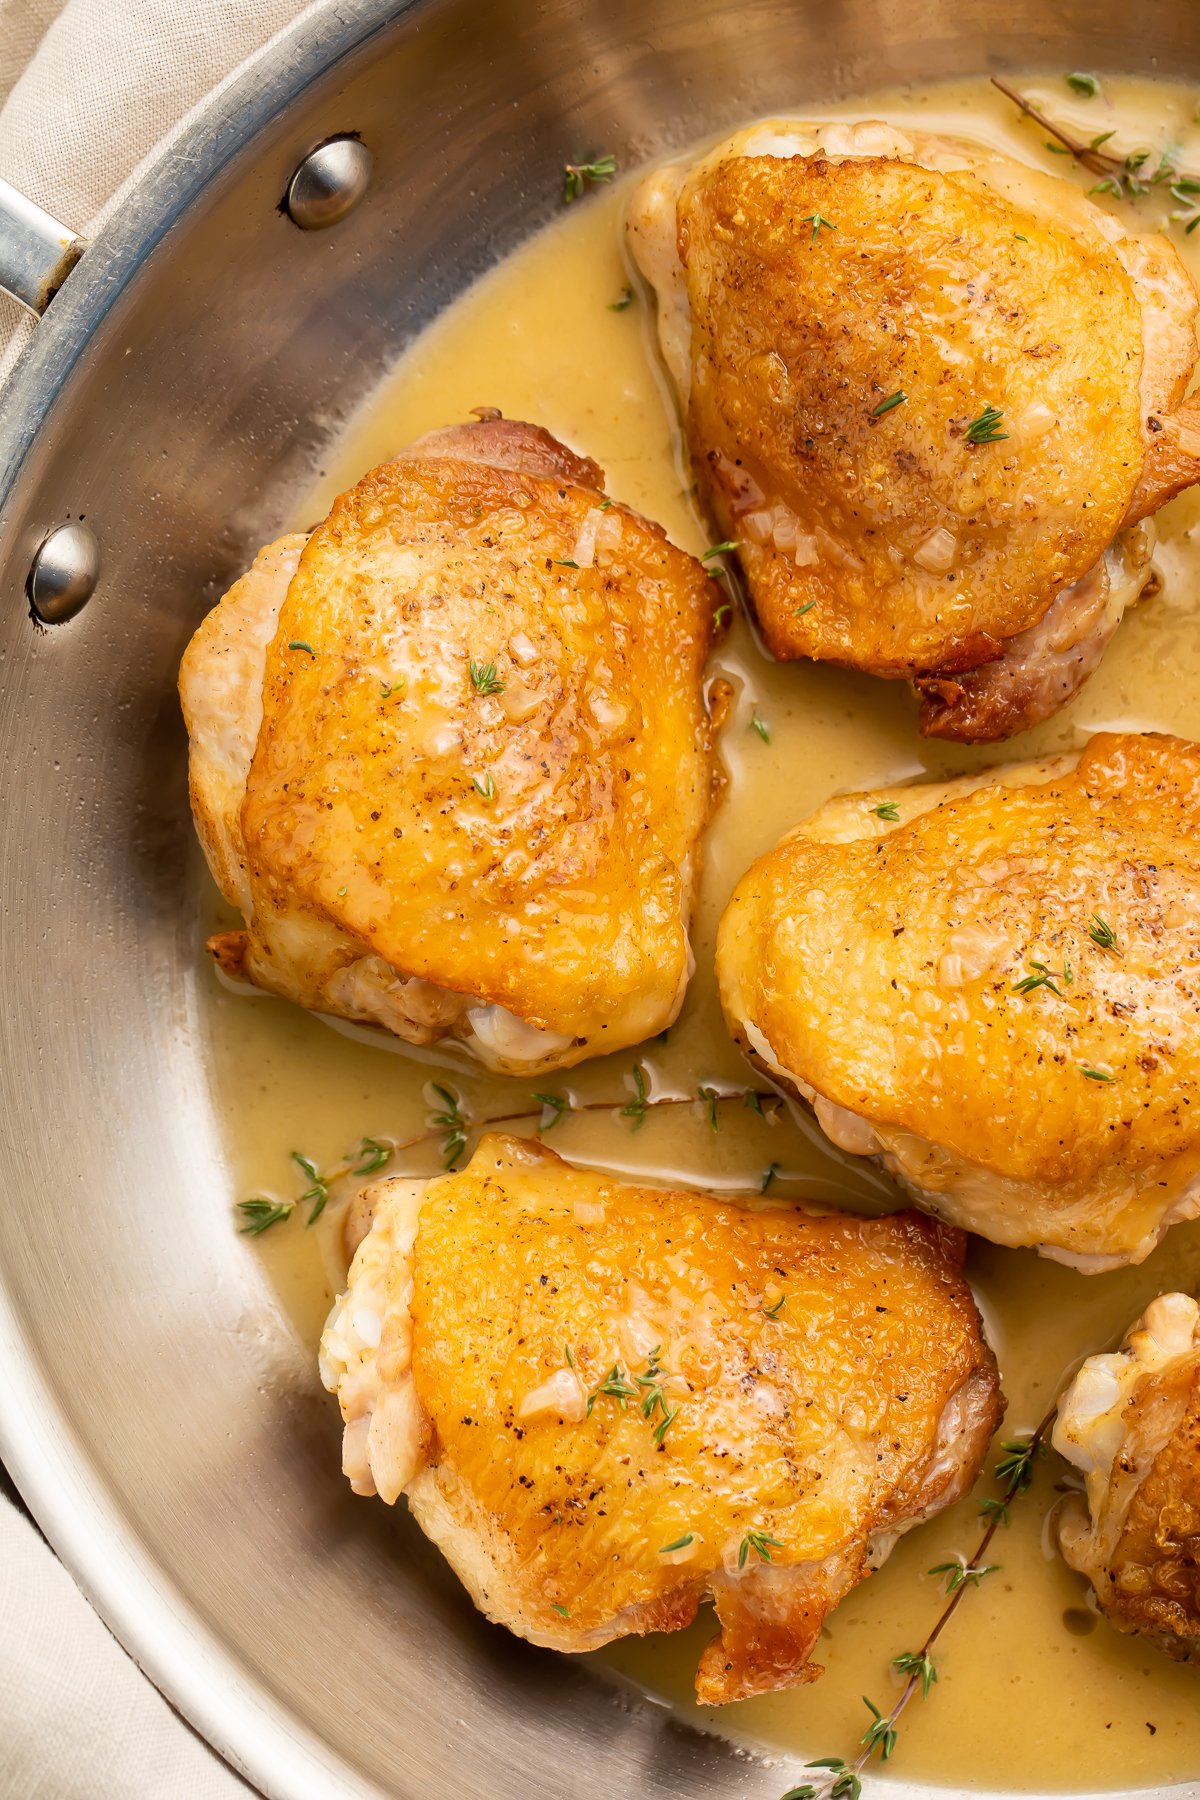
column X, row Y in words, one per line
column 63, row 574
column 329, row 183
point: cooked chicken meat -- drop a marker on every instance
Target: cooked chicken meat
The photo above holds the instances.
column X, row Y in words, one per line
column 993, row 985
column 1131, row 1423
column 933, row 394
column 450, row 756
column 605, row 1402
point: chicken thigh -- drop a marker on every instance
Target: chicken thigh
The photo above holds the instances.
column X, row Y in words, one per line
column 932, row 394
column 450, row 756
column 993, row 985
column 605, row 1402
column 1131, row 1423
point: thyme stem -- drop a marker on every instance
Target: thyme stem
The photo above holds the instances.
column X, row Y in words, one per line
column 1098, row 161
column 953, row 1602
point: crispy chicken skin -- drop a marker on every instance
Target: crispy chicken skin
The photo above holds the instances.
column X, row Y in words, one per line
column 450, row 756
column 514, row 1339
column 1131, row 1423
column 807, row 276
column 872, row 963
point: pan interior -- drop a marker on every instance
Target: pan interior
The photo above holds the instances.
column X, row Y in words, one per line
column 158, row 1405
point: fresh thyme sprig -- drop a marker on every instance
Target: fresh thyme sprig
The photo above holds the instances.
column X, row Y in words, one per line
column 762, row 1543
column 484, row 678
column 451, row 1120
column 762, row 728
column 885, row 406
column 722, row 549
column 959, row 1573
column 577, row 176
column 709, row 1096
column 637, row 1108
column 624, row 303
column 451, row 1125
column 654, row 1400
column 558, row 1106
column 1015, row 1473
column 840, row 1783
column 1124, row 177
column 888, row 810
column 614, row 1387
column 983, row 430
column 816, row 220
column 1044, row 976
column 1102, row 933
column 260, row 1213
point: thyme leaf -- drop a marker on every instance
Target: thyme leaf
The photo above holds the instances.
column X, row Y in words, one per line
column 373, row 1154
column 1101, row 933
column 558, row 1105
column 484, row 678
column 577, row 176
column 959, row 1573
column 880, row 1735
column 982, row 429
column 452, row 1121
column 637, row 1108
column 1043, row 977
column 920, row 1664
column 261, row 1214
column 762, row 1544
column 816, row 220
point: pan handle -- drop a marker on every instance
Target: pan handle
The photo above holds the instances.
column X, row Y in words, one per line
column 36, row 252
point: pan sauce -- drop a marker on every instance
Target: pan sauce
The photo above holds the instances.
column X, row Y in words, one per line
column 1034, row 1693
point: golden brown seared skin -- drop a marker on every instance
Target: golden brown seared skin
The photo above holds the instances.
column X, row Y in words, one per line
column 873, row 964
column 515, row 1338
column 506, row 859
column 1131, row 1423
column 803, row 292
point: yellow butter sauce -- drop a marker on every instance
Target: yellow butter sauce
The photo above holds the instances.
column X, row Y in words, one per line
column 1034, row 1692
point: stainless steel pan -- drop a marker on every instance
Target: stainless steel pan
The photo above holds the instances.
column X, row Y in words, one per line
column 156, row 1409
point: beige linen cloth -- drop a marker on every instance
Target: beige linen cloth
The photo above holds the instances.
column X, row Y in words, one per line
column 88, row 88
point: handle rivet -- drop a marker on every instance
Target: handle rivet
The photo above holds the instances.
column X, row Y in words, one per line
column 63, row 575
column 329, row 183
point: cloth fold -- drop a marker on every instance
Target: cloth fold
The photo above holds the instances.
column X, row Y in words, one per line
column 91, row 87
